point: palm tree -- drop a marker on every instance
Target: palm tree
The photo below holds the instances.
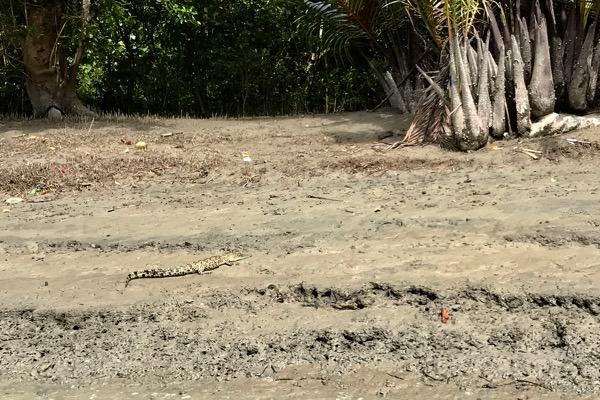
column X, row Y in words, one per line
column 378, row 32
column 540, row 58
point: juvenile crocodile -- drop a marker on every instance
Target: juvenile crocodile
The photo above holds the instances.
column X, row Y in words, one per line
column 195, row 267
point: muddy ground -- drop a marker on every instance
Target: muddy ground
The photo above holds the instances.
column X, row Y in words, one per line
column 355, row 251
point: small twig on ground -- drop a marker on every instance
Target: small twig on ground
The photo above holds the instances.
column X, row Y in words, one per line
column 492, row 385
column 89, row 130
column 433, row 377
column 577, row 141
column 399, row 143
column 530, row 153
column 302, row 378
column 210, row 179
column 42, row 199
column 395, row 376
column 310, row 196
column 268, row 366
column 390, row 146
column 532, row 383
column 169, row 134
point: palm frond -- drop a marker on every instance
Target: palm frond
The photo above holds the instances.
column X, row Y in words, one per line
column 432, row 120
column 372, row 28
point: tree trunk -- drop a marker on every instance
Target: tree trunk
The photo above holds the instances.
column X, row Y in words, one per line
column 541, row 86
column 51, row 86
column 389, row 86
column 469, row 133
column 393, row 92
column 558, row 74
column 484, row 103
column 580, row 79
column 521, row 93
column 524, row 42
column 499, row 106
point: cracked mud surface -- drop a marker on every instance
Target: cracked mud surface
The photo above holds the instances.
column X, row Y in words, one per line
column 354, row 254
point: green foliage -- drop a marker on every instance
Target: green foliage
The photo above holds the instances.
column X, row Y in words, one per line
column 13, row 98
column 246, row 57
column 439, row 16
column 205, row 58
column 12, row 91
column 371, row 28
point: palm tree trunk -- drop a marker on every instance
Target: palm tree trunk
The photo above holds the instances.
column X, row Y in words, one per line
column 541, row 87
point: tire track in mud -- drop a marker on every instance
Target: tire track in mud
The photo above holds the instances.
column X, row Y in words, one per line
column 492, row 228
column 103, row 246
column 557, row 240
column 492, row 337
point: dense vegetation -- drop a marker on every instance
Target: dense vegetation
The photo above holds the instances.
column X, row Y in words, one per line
column 503, row 68
column 195, row 57
column 482, row 69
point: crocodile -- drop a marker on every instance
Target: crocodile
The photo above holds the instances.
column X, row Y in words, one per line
column 195, row 267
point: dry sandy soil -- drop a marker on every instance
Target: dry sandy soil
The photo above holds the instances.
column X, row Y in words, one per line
column 354, row 254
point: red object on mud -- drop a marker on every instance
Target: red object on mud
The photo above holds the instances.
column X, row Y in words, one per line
column 445, row 316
